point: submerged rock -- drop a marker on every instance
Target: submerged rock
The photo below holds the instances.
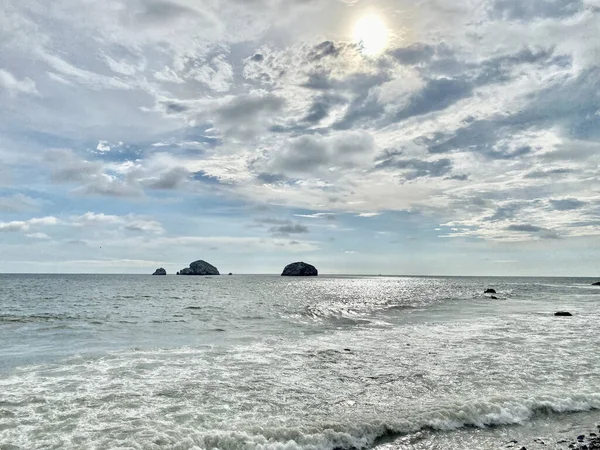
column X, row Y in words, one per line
column 563, row 314
column 160, row 271
column 489, row 291
column 299, row 269
column 493, row 297
column 199, row 268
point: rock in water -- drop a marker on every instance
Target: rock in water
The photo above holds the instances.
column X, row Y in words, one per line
column 597, row 283
column 199, row 268
column 489, row 291
column 160, row 271
column 299, row 269
column 563, row 314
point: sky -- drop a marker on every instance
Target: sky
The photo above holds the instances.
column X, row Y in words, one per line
column 429, row 137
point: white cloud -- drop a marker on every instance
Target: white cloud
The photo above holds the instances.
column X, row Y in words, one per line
column 103, row 146
column 14, row 86
column 26, row 225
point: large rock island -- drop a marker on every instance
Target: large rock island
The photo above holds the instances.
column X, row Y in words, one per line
column 199, row 268
column 160, row 271
column 299, row 269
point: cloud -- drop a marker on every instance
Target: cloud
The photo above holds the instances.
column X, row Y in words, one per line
column 327, row 216
column 418, row 168
column 19, row 203
column 282, row 227
column 130, row 222
column 172, row 178
column 484, row 115
column 103, row 146
column 26, row 225
column 543, row 233
column 567, row 204
column 312, row 153
column 291, row 228
column 15, row 86
column 518, row 10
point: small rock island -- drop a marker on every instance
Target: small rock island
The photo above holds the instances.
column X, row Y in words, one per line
column 597, row 283
column 299, row 269
column 160, row 271
column 199, row 268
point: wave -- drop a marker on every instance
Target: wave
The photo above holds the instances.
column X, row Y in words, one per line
column 13, row 318
column 370, row 434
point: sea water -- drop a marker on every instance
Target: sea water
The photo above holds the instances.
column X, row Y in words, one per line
column 265, row 362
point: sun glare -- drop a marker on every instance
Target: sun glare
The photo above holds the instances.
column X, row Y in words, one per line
column 371, row 33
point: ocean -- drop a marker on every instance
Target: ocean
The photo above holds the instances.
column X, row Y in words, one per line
column 267, row 362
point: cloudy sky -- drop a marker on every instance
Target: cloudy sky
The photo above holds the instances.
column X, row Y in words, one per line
column 363, row 136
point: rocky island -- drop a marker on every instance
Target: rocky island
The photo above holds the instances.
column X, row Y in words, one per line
column 299, row 269
column 160, row 271
column 199, row 268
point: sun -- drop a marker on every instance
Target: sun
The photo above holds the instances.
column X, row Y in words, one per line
column 372, row 34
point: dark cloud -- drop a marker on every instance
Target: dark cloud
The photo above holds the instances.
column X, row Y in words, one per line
column 318, row 81
column 548, row 173
column 567, row 204
column 271, row 178
column 291, row 228
column 246, row 107
column 257, row 57
column 413, row 54
column 508, row 211
column 533, row 9
column 437, row 95
column 321, row 107
column 543, row 233
column 67, row 167
column 461, row 177
column 500, row 69
column 282, row 227
column 170, row 179
column 323, row 50
column 156, row 11
column 419, row 168
column 480, row 136
column 174, row 107
column 312, row 152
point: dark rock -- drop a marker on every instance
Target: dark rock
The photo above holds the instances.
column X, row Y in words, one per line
column 299, row 269
column 523, row 448
column 230, row 273
column 493, row 297
column 563, row 314
column 199, row 268
column 597, row 283
column 581, row 437
column 160, row 271
column 489, row 291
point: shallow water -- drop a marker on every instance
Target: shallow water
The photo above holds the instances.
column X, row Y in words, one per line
column 245, row 362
